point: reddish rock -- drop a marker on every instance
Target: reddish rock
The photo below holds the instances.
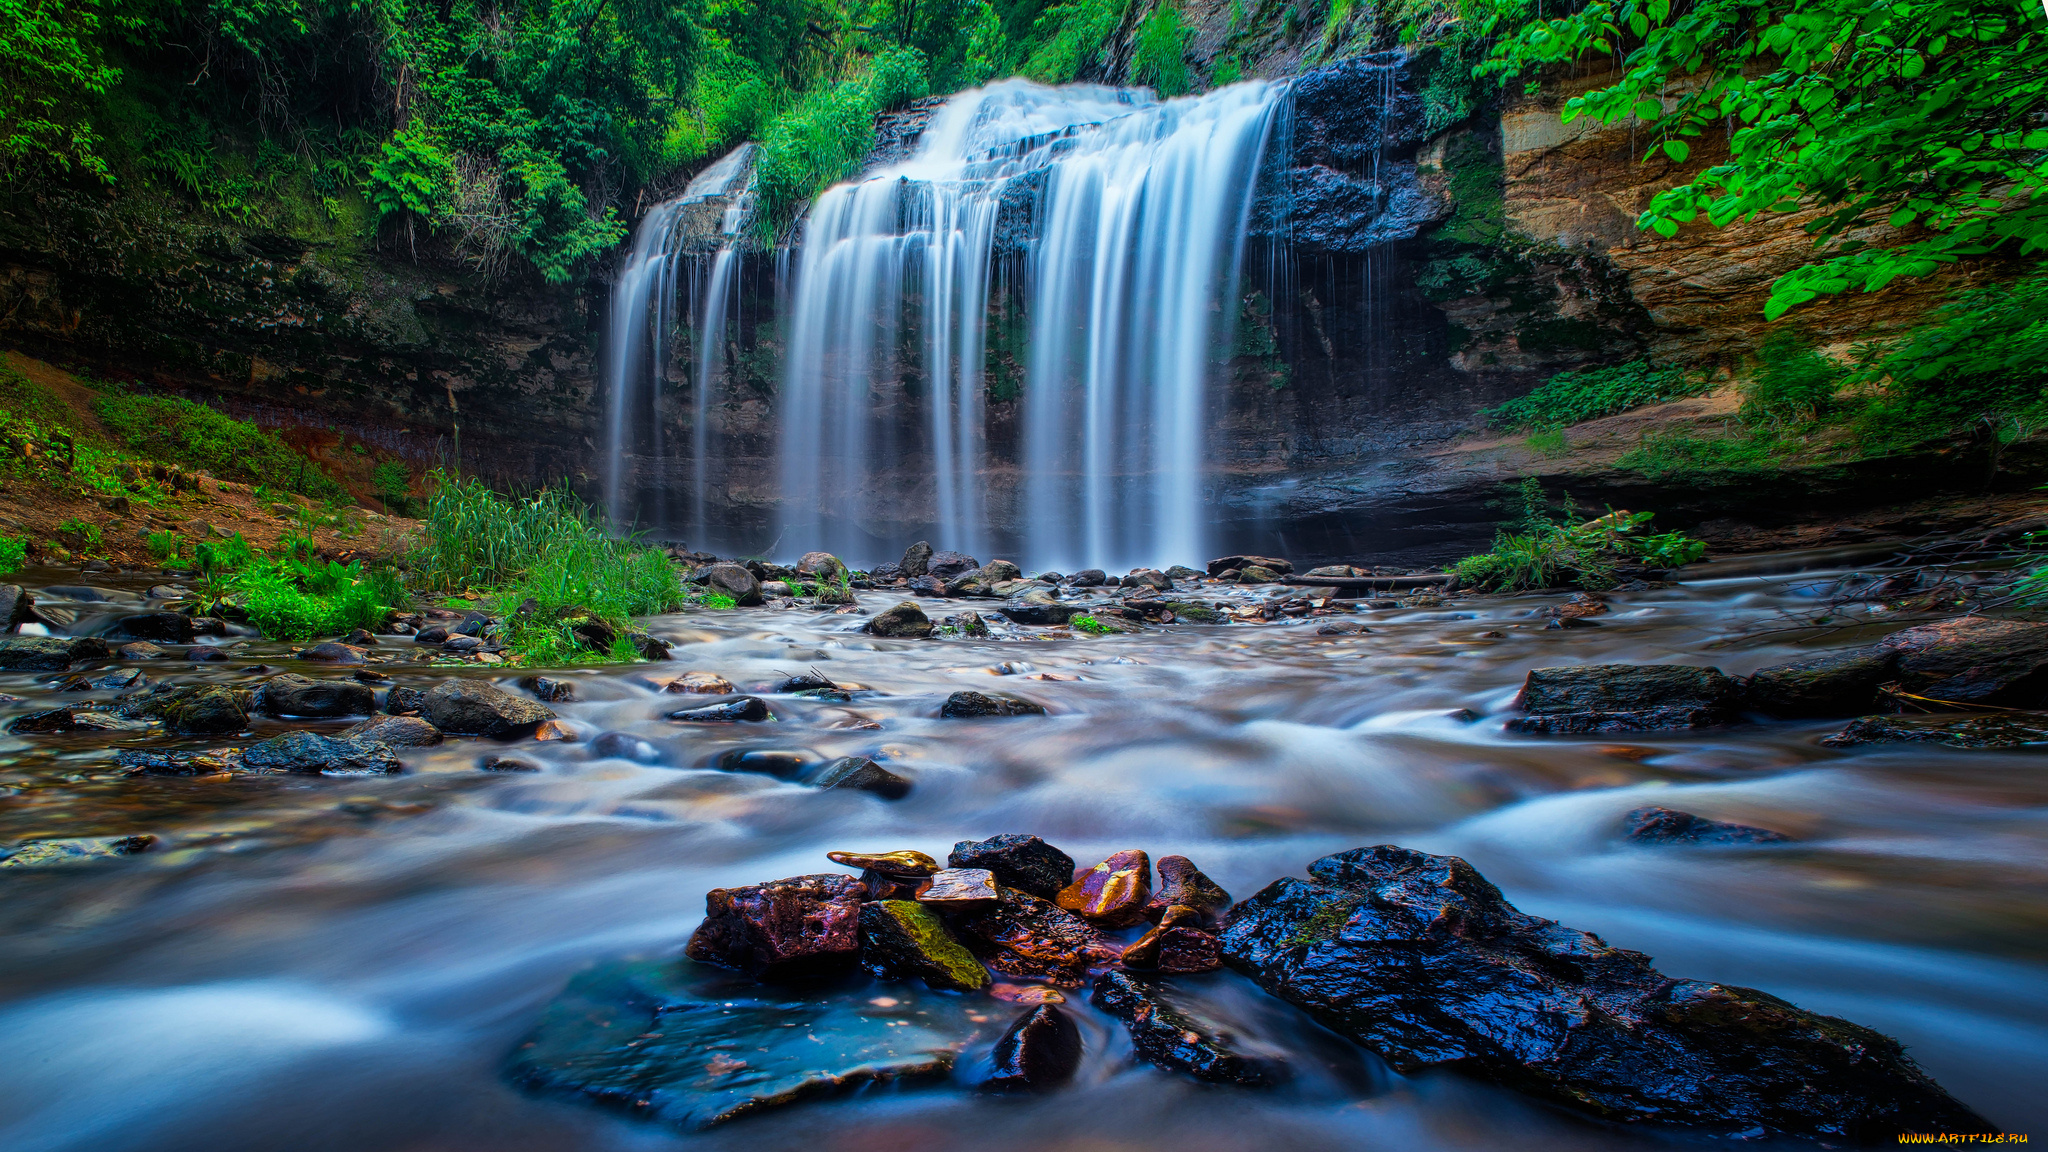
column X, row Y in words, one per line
column 907, row 863
column 1112, row 893
column 1025, row 936
column 1179, row 944
column 1182, row 884
column 784, row 929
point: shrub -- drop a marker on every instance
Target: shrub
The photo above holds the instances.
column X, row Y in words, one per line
column 1667, row 455
column 178, row 431
column 1537, row 550
column 1159, row 57
column 166, row 547
column 1793, row 383
column 13, row 553
column 1091, row 625
column 1588, row 394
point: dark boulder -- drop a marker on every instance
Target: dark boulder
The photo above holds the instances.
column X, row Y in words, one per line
column 779, row 763
column 506, row 764
column 863, row 775
column 1039, row 1050
column 1624, row 698
column 785, row 929
column 1669, row 826
column 308, row 753
column 946, row 566
column 746, row 709
column 1224, row 564
column 477, row 708
column 2007, row 729
column 334, row 652
column 431, row 635
column 901, row 940
column 734, row 581
column 204, row 654
column 1088, row 578
column 1022, row 862
column 46, row 722
column 969, row 705
column 1420, row 959
column 917, row 560
column 900, row 621
column 196, row 709
column 1974, row 660
column 1830, row 684
column 120, row 680
column 1147, row 578
column 549, row 689
column 1171, row 1032
column 152, row 762
column 396, row 731
column 17, row 606
column 886, row 573
column 294, row 695
column 1025, row 936
column 652, row 648
column 1029, row 612
column 48, row 653
column 168, row 627
column 404, row 701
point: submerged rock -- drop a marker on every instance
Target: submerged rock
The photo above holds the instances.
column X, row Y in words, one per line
column 1420, row 959
column 141, row 650
column 308, row 753
column 169, row 627
column 1169, row 1031
column 46, row 722
column 786, row 929
column 1025, row 863
column 549, row 689
column 48, row 653
column 1624, row 698
column 334, row 652
column 783, row 764
column 1669, row 826
column 1982, row 730
column 746, row 709
column 901, row 939
column 1113, row 893
column 969, row 705
column 700, row 683
column 900, row 621
column 1025, row 936
column 479, row 708
column 151, row 762
column 196, row 709
column 1037, row 614
column 294, row 695
column 75, row 850
column 1830, row 684
column 17, row 606
column 1040, row 1050
column 863, row 774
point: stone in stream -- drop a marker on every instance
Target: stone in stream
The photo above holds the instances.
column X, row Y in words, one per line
column 946, row 566
column 46, row 722
column 779, row 763
column 1974, row 660
column 141, row 650
column 959, row 890
column 294, row 695
column 901, row 939
column 804, row 682
column 2005, row 729
column 169, row 627
column 1027, row 612
column 334, row 652
column 204, row 654
column 624, row 746
column 479, row 708
column 1178, row 943
column 1669, row 826
column 48, row 653
column 734, row 581
column 1088, row 578
column 1040, row 1050
column 151, row 762
column 970, row 705
column 434, row 634
column 862, row 774
column 1257, row 574
column 700, row 683
column 916, row 560
column 1025, row 863
column 1179, row 572
column 1590, row 698
column 1831, row 684
column 1171, row 1031
column 1218, row 566
column 549, row 689
column 776, row 590
column 195, row 709
column 1113, row 893
column 1025, row 936
column 402, row 701
column 970, row 623
column 900, row 621
column 75, row 850
column 1417, row 957
column 746, row 709
column 308, row 753
column 695, row 1047
column 822, row 565
column 793, row 928
column 1183, row 884
column 926, row 586
column 17, row 606
column 118, row 680
column 907, row 863
column 1147, row 578
column 396, row 731
column 506, row 764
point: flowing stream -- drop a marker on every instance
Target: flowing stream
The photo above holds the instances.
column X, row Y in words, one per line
column 347, row 964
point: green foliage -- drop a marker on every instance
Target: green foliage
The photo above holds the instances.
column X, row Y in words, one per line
column 178, row 431
column 1548, row 442
column 53, row 70
column 1922, row 115
column 290, row 599
column 1159, row 56
column 86, row 533
column 1981, row 363
column 13, row 553
column 1680, row 455
column 716, row 601
column 166, row 547
column 1588, row 394
column 1793, row 383
column 831, row 130
column 1070, row 41
column 1091, row 625
column 1539, row 550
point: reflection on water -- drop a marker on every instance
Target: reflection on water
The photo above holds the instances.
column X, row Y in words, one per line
column 344, row 964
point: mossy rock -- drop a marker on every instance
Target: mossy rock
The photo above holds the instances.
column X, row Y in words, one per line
column 900, row 939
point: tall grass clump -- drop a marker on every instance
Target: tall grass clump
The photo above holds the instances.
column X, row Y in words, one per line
column 1538, row 549
column 178, row 431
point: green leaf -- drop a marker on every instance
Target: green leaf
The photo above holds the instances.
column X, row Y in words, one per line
column 1648, row 109
column 1664, row 227
column 1677, row 150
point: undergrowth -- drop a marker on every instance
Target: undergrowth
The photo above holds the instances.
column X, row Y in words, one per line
column 1588, row 394
column 179, row 431
column 1539, row 549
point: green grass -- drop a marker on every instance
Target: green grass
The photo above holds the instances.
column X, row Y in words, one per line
column 1676, row 455
column 178, row 431
column 1576, row 397
column 1540, row 549
column 1091, row 625
column 716, row 601
column 166, row 547
column 1548, row 442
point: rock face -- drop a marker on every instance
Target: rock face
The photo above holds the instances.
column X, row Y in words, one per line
column 307, row 753
column 1025, row 863
column 968, row 705
column 901, row 939
column 1420, row 959
column 1025, row 936
column 783, row 930
column 1040, row 1050
column 1167, row 1033
column 900, row 621
column 1974, row 660
column 1830, row 684
column 734, row 581
column 477, row 708
column 1667, row 826
column 1624, row 698
column 294, row 695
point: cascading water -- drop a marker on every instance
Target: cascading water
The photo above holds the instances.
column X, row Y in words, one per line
column 1140, row 213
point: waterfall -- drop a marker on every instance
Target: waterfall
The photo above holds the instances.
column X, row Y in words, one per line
column 1138, row 208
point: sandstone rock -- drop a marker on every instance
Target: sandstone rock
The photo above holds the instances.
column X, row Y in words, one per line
column 786, row 929
column 900, row 621
column 1171, row 1033
column 333, row 653
column 959, row 889
column 169, row 627
column 1025, row 863
column 908, row 863
column 1974, row 660
column 1025, row 936
column 1992, row 730
column 17, row 606
column 1624, row 698
column 1830, row 684
column 734, row 581
column 967, row 705
column 916, row 560
column 1113, row 893
column 1089, row 578
column 1183, row 884
column 479, row 708
column 946, row 566
column 1668, row 826
column 48, row 653
column 863, row 774
column 1039, row 1050
column 703, row 683
column 294, row 695
column 140, row 650
column 1273, row 564
column 1420, row 959
column 549, row 689
column 307, row 753
column 396, row 731
column 901, row 939
column 746, row 709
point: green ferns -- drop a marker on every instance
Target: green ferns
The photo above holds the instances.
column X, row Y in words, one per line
column 1588, row 394
column 1540, row 551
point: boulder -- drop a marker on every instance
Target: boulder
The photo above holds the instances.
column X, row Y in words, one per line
column 140, row 650
column 1027, row 612
column 1332, row 572
column 294, row 695
column 624, row 746
column 1184, row 885
column 404, row 701
column 1177, row 944
column 967, row 705
column 886, row 573
column 396, row 731
column 1180, row 572
column 1025, row 936
column 700, row 683
column 945, row 566
column 1147, row 578
column 916, row 560
column 1089, row 578
column 900, row 621
column 781, row 764
column 971, row 624
column 1830, row 684
column 169, row 627
column 1113, row 893
column 2009, row 729
column 863, row 774
column 44, row 722
column 153, row 762
column 822, row 566
column 901, row 939
column 308, row 753
column 196, row 709
column 479, row 708
column 999, row 572
column 1669, row 826
column 334, row 652
column 1039, row 1050
column 958, row 890
column 786, row 929
column 1974, row 660
column 1624, row 698
column 746, row 709
column 734, row 581
column 1171, row 1032
column 17, row 607
column 48, row 653
column 1420, row 959
column 1022, row 862
column 434, row 634
column 776, row 590
column 1219, row 566
column 549, row 689
column 926, row 586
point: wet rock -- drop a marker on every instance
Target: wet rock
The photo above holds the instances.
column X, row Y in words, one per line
column 948, row 566
column 549, row 689
column 624, row 746
column 1331, row 572
column 169, row 627
column 820, row 565
column 75, row 850
column 48, row 653
column 360, row 638
column 204, row 654
column 308, row 753
column 959, row 890
column 1089, row 578
column 969, row 705
column 478, row 708
column 906, row 863
column 696, row 1047
column 17, row 606
column 1992, row 730
column 701, row 683
column 793, row 928
column 970, row 623
column 1026, row 612
column 1023, row 935
column 1830, row 684
column 152, row 762
column 434, row 634
column 396, row 731
column 1624, row 698
column 1420, row 959
column 331, row 652
column 1669, row 826
column 118, row 680
column 1040, row 1050
column 472, row 624
column 1218, row 566
column 140, row 650
column 1257, row 574
column 370, row 676
column 734, row 581
column 650, row 647
column 1194, row 613
column 882, row 886
column 404, row 701
column 804, row 682
column 746, row 709
column 1342, row 628
column 1113, row 893
column 916, row 560
column 506, row 764
column 1180, row 572
column 1147, row 578
column 886, row 573
column 1974, row 660
column 1183, row 884
column 46, row 722
column 926, row 586
column 900, row 621
column 776, row 590
column 555, row 730
column 1025, row 863
column 901, row 939
column 783, row 765
column 196, row 709
column 294, row 695
column 463, row 644
column 863, row 774
column 1170, row 1032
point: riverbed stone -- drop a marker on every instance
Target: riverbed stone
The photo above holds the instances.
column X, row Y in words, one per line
column 700, row 683
column 1655, row 825
column 158, row 762
column 735, row 581
column 1040, row 1050
column 291, row 694
column 1023, row 935
column 1171, row 1031
column 480, row 708
column 970, row 705
column 864, row 775
column 141, row 650
column 69, row 851
column 900, row 621
column 1272, row 563
column 17, row 606
column 44, row 722
column 334, row 652
column 196, row 709
column 1018, row 861
column 1038, row 614
column 959, row 890
column 48, row 653
column 404, row 701
column 169, row 627
column 1183, row 884
column 744, row 710
column 1088, row 578
column 904, row 862
column 396, row 731
column 1419, row 958
column 309, row 753
column 945, row 566
column 1257, row 574
column 1113, row 893
column 2003, row 729
column 1147, row 578
column 118, row 680
column 1974, row 660
column 1830, row 684
column 916, row 559
column 549, row 689
column 793, row 928
column 1590, row 698
column 902, row 939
